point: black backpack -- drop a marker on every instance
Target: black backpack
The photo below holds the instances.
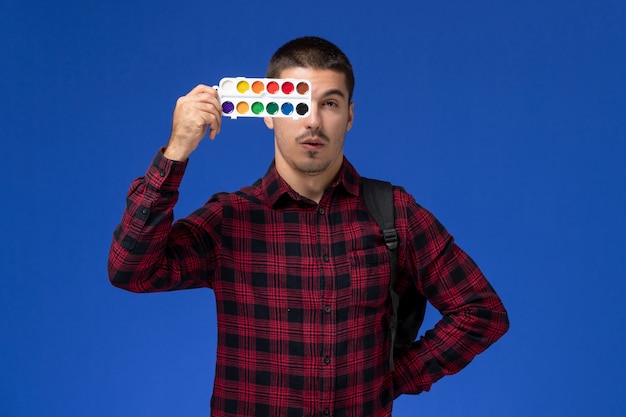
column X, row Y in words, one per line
column 408, row 312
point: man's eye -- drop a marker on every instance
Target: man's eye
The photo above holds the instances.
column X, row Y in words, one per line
column 330, row 104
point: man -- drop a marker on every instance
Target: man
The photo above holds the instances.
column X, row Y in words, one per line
column 298, row 265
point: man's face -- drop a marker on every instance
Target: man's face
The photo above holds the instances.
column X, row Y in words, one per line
column 314, row 145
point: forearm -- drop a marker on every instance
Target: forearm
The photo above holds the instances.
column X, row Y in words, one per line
column 464, row 331
column 473, row 318
column 145, row 254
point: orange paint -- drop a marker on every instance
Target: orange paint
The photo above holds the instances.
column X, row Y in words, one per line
column 257, row 87
column 243, row 107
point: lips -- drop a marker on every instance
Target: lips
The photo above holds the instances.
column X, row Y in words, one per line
column 312, row 143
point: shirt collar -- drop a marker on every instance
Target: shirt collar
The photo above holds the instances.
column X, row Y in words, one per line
column 274, row 188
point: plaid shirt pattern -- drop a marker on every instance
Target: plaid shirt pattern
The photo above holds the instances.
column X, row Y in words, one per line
column 302, row 294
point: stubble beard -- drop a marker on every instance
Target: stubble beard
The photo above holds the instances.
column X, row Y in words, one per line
column 313, row 165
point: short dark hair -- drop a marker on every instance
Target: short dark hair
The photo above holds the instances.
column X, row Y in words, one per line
column 311, row 52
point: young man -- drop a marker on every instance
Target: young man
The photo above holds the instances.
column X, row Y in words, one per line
column 298, row 265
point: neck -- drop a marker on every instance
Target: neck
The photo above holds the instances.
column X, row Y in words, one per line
column 311, row 186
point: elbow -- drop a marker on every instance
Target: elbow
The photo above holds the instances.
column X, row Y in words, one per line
column 136, row 280
column 499, row 324
column 488, row 325
column 120, row 279
column 505, row 323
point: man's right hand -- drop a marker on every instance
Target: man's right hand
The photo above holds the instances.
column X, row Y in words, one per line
column 195, row 112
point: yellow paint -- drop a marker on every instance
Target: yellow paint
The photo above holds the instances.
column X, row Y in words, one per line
column 243, row 86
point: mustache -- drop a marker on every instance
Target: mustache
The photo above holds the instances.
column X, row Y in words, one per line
column 317, row 133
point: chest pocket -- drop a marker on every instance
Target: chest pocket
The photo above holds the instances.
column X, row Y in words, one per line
column 369, row 276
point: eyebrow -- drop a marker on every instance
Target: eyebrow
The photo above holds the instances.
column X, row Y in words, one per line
column 334, row 91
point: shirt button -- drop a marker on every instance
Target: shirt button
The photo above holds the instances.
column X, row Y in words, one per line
column 325, row 258
column 327, row 360
column 144, row 211
column 327, row 309
column 162, row 173
column 326, row 412
column 321, row 211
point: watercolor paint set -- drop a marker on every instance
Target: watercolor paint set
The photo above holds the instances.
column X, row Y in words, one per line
column 265, row 97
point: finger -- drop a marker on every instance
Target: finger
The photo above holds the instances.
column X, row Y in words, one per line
column 204, row 101
column 189, row 107
column 203, row 91
column 215, row 126
column 214, row 110
column 209, row 114
column 200, row 88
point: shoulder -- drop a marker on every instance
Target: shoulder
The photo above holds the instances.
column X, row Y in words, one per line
column 413, row 217
column 405, row 202
column 225, row 203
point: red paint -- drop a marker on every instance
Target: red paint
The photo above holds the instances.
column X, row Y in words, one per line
column 272, row 87
column 288, row 87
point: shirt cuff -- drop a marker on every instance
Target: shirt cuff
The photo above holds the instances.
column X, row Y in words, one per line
column 165, row 174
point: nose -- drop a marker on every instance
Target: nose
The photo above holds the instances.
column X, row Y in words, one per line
column 313, row 121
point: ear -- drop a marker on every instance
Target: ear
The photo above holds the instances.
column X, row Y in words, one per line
column 350, row 116
column 269, row 122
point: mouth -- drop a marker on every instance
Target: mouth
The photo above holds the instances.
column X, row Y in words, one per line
column 312, row 143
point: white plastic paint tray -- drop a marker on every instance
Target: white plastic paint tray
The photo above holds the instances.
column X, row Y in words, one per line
column 265, row 97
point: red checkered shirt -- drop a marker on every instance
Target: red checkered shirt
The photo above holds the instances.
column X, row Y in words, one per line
column 302, row 292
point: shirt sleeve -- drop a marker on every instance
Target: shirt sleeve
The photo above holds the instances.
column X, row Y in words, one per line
column 149, row 252
column 473, row 316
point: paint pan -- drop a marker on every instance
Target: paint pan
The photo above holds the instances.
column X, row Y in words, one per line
column 265, row 97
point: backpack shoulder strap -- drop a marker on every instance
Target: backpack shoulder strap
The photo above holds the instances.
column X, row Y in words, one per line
column 378, row 196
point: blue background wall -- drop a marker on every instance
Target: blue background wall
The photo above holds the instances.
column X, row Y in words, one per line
column 505, row 119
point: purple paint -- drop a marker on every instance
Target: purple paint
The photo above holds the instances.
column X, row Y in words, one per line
column 228, row 107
